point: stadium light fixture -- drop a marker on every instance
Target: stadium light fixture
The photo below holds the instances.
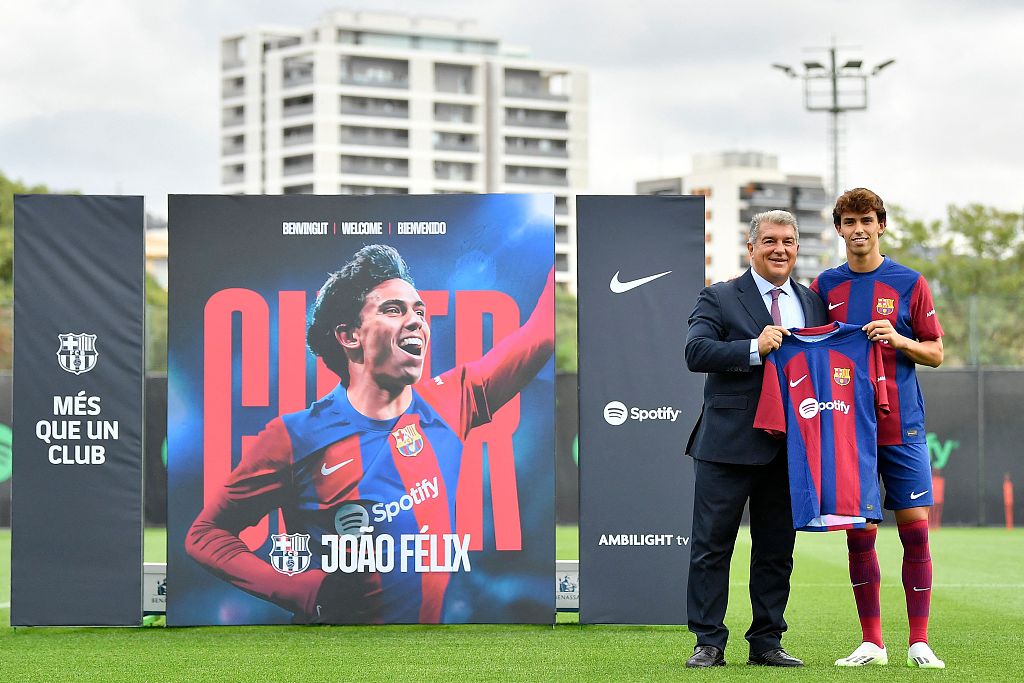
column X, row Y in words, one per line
column 881, row 66
column 834, row 89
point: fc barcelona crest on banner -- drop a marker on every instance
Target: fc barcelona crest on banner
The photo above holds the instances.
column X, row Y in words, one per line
column 77, row 352
column 408, row 440
column 290, row 554
column 885, row 306
column 841, row 376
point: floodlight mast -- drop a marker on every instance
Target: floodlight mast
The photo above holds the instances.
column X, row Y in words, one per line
column 855, row 99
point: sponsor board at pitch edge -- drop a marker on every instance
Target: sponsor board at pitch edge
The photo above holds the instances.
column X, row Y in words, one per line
column 617, row 413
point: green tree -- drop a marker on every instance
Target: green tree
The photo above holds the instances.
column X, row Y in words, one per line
column 565, row 331
column 156, row 326
column 974, row 262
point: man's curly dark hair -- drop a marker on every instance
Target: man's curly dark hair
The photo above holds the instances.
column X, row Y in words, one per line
column 341, row 299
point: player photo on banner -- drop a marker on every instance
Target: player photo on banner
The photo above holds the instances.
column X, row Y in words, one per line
column 361, row 409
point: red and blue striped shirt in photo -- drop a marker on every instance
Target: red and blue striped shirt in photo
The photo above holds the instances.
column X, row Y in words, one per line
column 821, row 390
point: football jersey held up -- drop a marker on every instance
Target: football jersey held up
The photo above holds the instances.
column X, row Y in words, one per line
column 821, row 390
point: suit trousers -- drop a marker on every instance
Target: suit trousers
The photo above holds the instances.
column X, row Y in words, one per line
column 721, row 491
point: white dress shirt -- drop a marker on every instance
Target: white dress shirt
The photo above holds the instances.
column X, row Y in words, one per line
column 790, row 311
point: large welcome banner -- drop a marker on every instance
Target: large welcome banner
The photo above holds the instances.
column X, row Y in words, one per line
column 382, row 454
column 641, row 265
column 76, row 522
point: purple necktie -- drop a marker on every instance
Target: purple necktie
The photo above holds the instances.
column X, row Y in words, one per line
column 776, row 314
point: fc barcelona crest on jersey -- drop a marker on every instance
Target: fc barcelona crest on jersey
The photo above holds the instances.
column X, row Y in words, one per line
column 77, row 352
column 408, row 440
column 841, row 376
column 885, row 306
column 290, row 554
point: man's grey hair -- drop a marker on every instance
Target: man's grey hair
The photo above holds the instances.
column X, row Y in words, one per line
column 777, row 216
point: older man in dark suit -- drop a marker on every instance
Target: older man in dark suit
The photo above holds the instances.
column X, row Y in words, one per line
column 734, row 325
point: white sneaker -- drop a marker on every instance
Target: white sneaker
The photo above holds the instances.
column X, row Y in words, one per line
column 867, row 653
column 921, row 656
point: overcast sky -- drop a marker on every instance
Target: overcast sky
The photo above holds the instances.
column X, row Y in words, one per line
column 121, row 96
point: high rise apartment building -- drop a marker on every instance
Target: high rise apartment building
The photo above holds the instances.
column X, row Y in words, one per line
column 372, row 103
column 737, row 185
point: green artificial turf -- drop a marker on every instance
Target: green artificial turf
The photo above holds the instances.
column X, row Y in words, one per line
column 977, row 627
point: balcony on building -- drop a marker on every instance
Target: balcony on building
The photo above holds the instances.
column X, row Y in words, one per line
column 536, row 118
column 233, row 116
column 536, row 175
column 297, row 106
column 454, row 170
column 306, row 188
column 543, row 147
column 561, row 234
column 445, row 112
column 297, row 165
column 297, row 135
column 453, row 78
column 359, row 165
column 374, row 106
column 232, row 144
column 232, row 53
column 376, row 137
column 455, row 142
column 296, row 71
column 561, row 206
column 766, row 196
column 371, row 189
column 232, row 87
column 375, row 72
column 235, row 173
column 537, row 84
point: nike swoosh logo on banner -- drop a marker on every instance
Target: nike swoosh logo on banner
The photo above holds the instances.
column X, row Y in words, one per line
column 619, row 287
column 325, row 470
column 831, row 306
column 915, row 496
column 793, row 384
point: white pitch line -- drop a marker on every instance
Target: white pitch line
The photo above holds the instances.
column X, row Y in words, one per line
column 797, row 584
column 4, row 605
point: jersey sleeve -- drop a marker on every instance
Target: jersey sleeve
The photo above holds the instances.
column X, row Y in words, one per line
column 467, row 396
column 923, row 319
column 771, row 411
column 880, row 383
column 253, row 489
column 814, row 287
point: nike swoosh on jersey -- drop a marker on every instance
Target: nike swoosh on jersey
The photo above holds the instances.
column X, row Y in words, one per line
column 862, row 583
column 831, row 306
column 619, row 287
column 921, row 589
column 915, row 496
column 793, row 384
column 325, row 470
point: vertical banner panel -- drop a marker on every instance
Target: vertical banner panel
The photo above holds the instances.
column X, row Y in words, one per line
column 951, row 397
column 641, row 265
column 420, row 489
column 1003, row 482
column 76, row 541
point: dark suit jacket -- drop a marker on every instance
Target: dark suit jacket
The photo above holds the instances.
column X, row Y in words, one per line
column 726, row 317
